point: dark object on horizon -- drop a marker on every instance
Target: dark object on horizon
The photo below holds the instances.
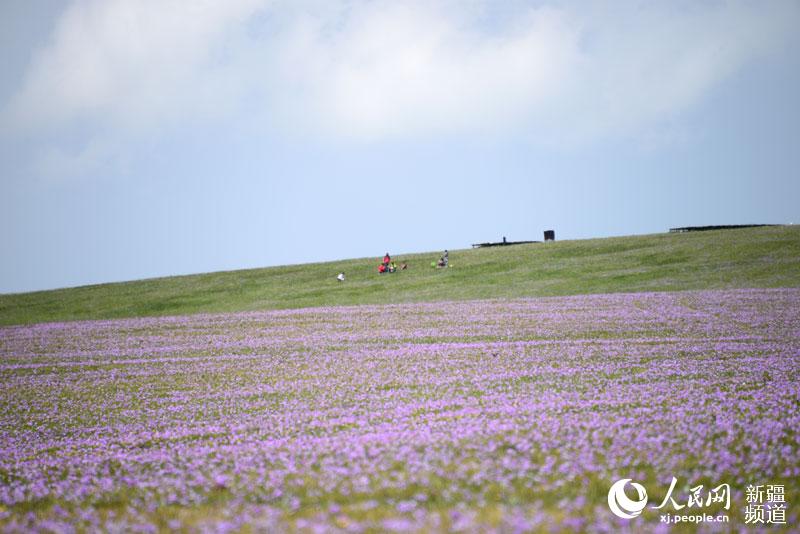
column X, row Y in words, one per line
column 549, row 235
column 722, row 227
column 502, row 243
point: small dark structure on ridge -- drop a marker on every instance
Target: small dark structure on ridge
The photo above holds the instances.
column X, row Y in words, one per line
column 549, row 235
column 502, row 243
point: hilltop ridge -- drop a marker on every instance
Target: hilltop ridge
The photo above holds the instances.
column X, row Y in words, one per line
column 750, row 257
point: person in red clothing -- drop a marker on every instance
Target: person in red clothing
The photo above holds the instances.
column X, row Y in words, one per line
column 384, row 267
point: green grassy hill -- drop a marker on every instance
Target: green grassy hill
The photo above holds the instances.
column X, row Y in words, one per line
column 753, row 257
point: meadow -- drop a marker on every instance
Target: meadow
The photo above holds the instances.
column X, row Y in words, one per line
column 744, row 258
column 506, row 414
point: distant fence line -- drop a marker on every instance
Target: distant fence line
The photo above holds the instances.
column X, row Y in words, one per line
column 720, row 227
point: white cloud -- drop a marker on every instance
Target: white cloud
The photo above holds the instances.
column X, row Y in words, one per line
column 131, row 63
column 650, row 61
column 369, row 70
column 402, row 68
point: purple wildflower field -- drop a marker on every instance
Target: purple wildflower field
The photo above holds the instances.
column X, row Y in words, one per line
column 504, row 415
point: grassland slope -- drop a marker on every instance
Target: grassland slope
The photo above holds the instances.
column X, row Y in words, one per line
column 752, row 257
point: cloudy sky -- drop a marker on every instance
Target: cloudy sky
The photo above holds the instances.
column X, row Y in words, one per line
column 156, row 137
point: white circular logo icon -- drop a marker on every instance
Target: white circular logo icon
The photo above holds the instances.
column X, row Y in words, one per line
column 621, row 505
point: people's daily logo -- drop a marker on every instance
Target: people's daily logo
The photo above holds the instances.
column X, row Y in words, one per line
column 621, row 504
column 695, row 503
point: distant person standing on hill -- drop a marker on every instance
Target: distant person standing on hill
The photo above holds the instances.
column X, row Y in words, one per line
column 387, row 259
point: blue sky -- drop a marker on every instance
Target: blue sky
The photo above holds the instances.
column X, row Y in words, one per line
column 152, row 138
